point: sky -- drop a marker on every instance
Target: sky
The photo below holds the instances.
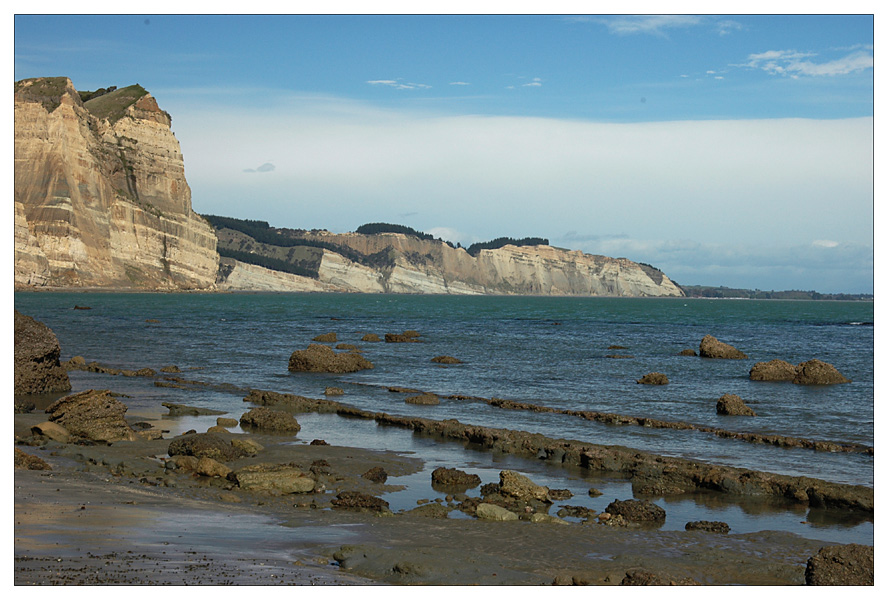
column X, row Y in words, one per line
column 733, row 150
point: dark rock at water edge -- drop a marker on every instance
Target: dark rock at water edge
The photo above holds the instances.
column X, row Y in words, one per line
column 210, row 445
column 712, row 348
column 710, row 526
column 817, row 372
column 772, row 370
column 359, row 501
column 454, row 478
column 654, row 379
column 376, row 475
column 733, row 405
column 851, row 564
column 637, row 511
column 37, row 351
column 323, row 359
column 269, row 419
column 181, row 410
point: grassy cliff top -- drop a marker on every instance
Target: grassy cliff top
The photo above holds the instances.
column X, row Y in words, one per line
column 46, row 90
column 113, row 105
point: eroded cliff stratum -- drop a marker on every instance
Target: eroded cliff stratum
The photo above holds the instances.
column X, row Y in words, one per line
column 100, row 193
column 101, row 201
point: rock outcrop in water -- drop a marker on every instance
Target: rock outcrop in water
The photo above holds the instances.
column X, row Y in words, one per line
column 710, row 347
column 811, row 372
column 100, row 193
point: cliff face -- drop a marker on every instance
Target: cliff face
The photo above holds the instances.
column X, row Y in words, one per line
column 100, row 193
column 416, row 266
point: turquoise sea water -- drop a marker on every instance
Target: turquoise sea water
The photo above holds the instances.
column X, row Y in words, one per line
column 549, row 351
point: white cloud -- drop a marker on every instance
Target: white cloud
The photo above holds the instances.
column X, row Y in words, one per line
column 459, row 83
column 338, row 165
column 792, row 63
column 727, row 26
column 649, row 24
column 537, row 82
column 824, row 243
column 398, row 85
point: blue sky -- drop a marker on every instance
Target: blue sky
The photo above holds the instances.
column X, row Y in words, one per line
column 726, row 150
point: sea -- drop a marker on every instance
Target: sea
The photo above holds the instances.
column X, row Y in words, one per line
column 552, row 351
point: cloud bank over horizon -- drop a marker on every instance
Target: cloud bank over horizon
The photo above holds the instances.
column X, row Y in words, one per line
column 764, row 201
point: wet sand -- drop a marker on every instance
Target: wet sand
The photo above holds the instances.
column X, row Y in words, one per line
column 114, row 515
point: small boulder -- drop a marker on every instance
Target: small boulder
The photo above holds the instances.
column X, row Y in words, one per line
column 376, row 475
column 637, row 511
column 273, row 478
column 454, row 478
column 733, row 405
column 333, row 391
column 211, row 468
column 850, row 564
column 710, row 526
column 323, row 359
column 560, row 494
column 183, row 463
column 773, row 370
column 326, row 337
column 53, row 431
column 359, row 501
column 226, row 422
column 37, row 366
column 521, row 487
column 577, row 512
column 688, row 352
column 269, row 419
column 370, row 337
column 170, row 369
column 492, row 512
column 93, row 414
column 817, row 372
column 653, row 379
column 211, row 445
column 712, row 348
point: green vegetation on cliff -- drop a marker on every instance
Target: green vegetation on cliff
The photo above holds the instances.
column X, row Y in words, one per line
column 112, row 105
column 374, row 228
column 475, row 249
column 48, row 91
column 263, row 233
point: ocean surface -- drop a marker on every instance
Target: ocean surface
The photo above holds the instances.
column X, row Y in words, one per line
column 547, row 351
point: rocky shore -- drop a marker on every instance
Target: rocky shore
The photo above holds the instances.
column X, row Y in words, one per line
column 247, row 502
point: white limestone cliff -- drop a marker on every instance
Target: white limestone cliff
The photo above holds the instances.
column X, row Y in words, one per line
column 103, row 202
